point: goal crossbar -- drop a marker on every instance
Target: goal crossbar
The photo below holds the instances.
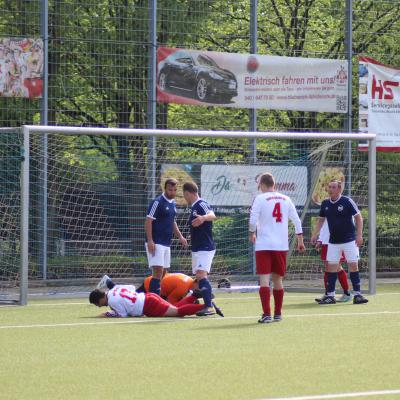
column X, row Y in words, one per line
column 197, row 133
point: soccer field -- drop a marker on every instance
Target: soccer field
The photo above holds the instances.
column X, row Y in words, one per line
column 57, row 349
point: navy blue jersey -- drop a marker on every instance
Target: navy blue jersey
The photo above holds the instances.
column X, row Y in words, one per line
column 201, row 236
column 339, row 215
column 162, row 212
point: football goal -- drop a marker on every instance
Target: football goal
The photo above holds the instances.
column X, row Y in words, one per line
column 75, row 201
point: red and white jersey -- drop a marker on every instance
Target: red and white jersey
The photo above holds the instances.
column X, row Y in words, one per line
column 269, row 215
column 124, row 301
column 324, row 233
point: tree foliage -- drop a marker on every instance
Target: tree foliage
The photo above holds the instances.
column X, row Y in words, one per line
column 98, row 57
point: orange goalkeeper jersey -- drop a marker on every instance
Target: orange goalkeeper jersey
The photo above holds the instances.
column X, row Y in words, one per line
column 173, row 286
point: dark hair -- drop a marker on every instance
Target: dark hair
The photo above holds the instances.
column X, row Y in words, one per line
column 141, row 289
column 95, row 296
column 267, row 179
column 171, row 182
column 190, row 187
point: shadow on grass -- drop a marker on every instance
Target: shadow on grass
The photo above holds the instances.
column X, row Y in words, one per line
column 238, row 325
column 301, row 306
column 132, row 320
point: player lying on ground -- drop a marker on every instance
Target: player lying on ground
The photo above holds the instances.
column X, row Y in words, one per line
column 124, row 301
column 174, row 288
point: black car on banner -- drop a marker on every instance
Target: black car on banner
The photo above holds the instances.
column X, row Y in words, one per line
column 196, row 76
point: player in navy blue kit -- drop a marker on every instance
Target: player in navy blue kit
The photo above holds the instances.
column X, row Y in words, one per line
column 203, row 246
column 341, row 212
column 160, row 226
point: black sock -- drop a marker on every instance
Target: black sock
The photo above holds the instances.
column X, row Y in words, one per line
column 205, row 287
column 155, row 286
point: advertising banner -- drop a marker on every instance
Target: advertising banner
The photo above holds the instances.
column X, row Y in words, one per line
column 251, row 81
column 237, row 185
column 21, row 67
column 379, row 103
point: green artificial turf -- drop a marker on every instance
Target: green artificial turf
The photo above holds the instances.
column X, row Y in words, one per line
column 315, row 350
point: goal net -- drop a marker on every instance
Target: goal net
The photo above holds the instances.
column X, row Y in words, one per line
column 89, row 189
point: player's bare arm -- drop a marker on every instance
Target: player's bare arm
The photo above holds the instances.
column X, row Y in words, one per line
column 179, row 235
column 148, row 228
column 252, row 237
column 359, row 227
column 210, row 216
column 300, row 243
column 317, row 229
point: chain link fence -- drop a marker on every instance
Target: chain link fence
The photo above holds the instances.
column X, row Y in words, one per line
column 100, row 63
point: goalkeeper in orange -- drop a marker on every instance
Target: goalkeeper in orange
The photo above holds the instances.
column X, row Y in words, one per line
column 174, row 287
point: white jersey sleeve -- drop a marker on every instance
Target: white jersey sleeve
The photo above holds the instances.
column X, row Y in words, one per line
column 254, row 214
column 125, row 302
column 269, row 216
column 294, row 217
column 324, row 233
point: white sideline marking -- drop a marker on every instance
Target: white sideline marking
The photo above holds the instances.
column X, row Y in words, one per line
column 145, row 320
column 43, row 305
column 339, row 395
column 73, row 324
column 299, row 296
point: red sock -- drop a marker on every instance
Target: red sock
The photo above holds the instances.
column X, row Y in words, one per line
column 189, row 309
column 325, row 280
column 342, row 276
column 186, row 300
column 265, row 294
column 278, row 297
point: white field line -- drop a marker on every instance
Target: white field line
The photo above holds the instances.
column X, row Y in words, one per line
column 339, row 395
column 30, row 304
column 147, row 320
column 298, row 296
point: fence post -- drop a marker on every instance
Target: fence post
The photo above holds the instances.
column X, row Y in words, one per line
column 152, row 100
column 349, row 118
column 44, row 108
column 372, row 215
column 253, row 111
column 253, row 50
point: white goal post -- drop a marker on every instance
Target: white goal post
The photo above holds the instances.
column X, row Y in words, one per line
column 79, row 189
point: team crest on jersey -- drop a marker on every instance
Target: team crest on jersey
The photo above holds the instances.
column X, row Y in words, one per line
column 340, row 208
column 194, row 213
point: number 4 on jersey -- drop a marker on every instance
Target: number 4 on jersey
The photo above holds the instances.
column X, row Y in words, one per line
column 276, row 213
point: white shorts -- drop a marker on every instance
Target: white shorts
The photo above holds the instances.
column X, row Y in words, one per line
column 350, row 250
column 202, row 260
column 160, row 258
